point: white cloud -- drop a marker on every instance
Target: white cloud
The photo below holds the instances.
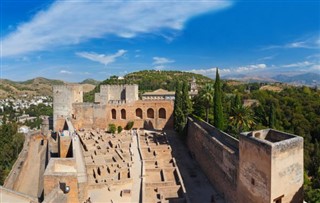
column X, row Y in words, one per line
column 73, row 22
column 161, row 60
column 266, row 58
column 250, row 67
column 160, row 67
column 101, row 58
column 65, row 72
column 312, row 42
column 298, row 64
column 315, row 67
column 225, row 71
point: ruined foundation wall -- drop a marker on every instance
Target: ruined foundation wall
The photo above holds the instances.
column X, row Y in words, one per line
column 219, row 162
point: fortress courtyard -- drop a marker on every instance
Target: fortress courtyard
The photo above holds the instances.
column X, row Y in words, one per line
column 78, row 160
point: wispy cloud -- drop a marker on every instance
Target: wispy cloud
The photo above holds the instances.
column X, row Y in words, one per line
column 161, row 60
column 72, row 22
column 101, row 58
column 225, row 71
column 266, row 58
column 65, row 72
column 298, row 64
column 305, row 43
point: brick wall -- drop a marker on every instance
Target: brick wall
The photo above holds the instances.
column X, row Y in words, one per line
column 88, row 115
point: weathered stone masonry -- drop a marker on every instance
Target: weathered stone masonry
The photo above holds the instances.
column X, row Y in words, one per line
column 262, row 166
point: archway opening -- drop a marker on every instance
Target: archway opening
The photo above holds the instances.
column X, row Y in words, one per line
column 162, row 113
column 139, row 113
column 113, row 114
column 123, row 114
column 150, row 113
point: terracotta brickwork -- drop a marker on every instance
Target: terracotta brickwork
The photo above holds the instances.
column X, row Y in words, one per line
column 100, row 116
column 116, row 104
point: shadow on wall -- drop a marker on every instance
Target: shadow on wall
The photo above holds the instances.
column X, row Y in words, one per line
column 148, row 125
column 298, row 196
column 169, row 123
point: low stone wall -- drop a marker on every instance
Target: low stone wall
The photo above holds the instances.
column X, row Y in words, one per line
column 217, row 155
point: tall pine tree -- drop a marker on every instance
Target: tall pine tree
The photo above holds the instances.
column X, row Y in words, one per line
column 217, row 106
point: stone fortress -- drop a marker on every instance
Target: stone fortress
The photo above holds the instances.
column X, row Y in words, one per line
column 79, row 161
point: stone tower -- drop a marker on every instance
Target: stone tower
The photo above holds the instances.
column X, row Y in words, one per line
column 63, row 98
column 117, row 93
column 270, row 167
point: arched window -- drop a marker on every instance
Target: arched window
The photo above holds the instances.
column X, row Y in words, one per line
column 123, row 114
column 162, row 113
column 113, row 114
column 139, row 113
column 150, row 113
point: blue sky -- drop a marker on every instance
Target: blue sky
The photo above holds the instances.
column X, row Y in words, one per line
column 75, row 40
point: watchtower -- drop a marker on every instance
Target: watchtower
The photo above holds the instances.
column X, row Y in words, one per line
column 63, row 98
column 270, row 167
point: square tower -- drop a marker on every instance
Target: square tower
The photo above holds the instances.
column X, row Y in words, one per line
column 117, row 93
column 270, row 167
column 63, row 98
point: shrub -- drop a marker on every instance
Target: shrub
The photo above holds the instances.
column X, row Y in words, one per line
column 119, row 129
column 112, row 128
column 129, row 125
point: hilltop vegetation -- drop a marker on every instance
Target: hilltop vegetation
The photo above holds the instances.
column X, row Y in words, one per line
column 37, row 86
column 294, row 110
column 11, row 143
column 149, row 80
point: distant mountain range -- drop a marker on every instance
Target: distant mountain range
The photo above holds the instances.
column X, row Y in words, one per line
column 147, row 80
column 310, row 79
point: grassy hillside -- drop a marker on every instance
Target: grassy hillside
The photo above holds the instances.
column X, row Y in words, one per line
column 149, row 80
column 36, row 86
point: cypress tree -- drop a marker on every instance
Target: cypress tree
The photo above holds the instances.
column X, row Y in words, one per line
column 177, row 112
column 217, row 106
column 272, row 116
column 185, row 100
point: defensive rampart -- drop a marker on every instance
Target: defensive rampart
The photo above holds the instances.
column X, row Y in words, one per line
column 217, row 154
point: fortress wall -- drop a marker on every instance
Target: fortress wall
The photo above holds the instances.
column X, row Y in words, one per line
column 88, row 115
column 219, row 162
column 30, row 172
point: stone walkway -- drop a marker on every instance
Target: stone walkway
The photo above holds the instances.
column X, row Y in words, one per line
column 136, row 170
column 196, row 183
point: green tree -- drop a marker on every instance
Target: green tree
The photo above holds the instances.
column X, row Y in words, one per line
column 177, row 111
column 206, row 96
column 112, row 128
column 129, row 125
column 272, row 116
column 119, row 129
column 242, row 118
column 185, row 99
column 237, row 100
column 217, row 106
